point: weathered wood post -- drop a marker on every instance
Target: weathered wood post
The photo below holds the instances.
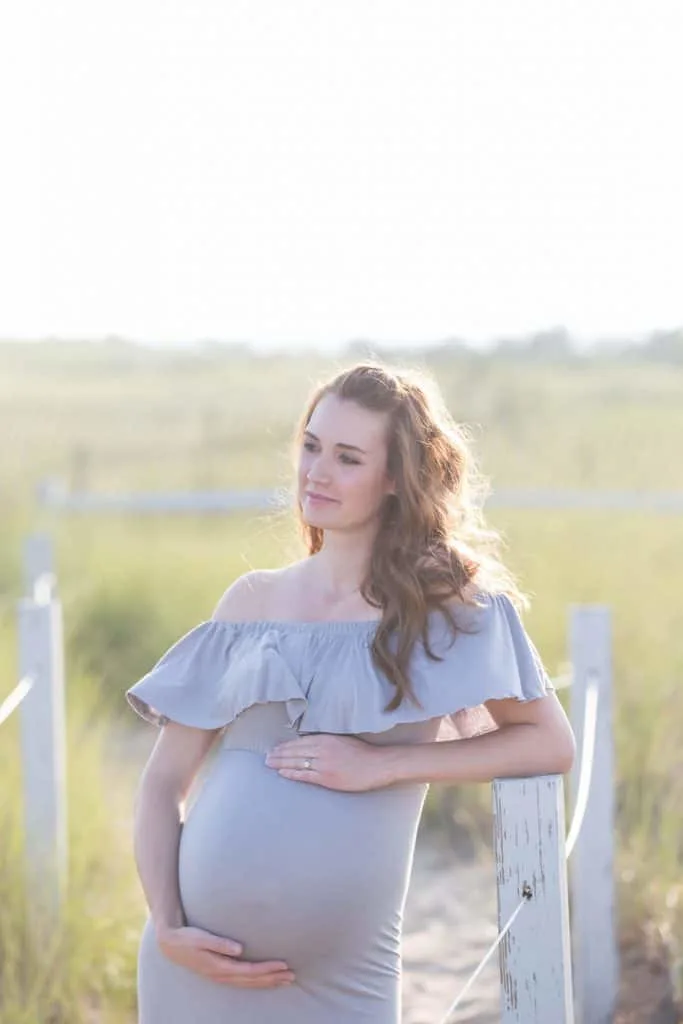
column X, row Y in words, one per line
column 41, row 660
column 535, row 954
column 37, row 561
column 591, row 865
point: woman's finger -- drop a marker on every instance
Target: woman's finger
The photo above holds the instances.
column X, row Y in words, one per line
column 289, row 760
column 300, row 774
column 235, row 974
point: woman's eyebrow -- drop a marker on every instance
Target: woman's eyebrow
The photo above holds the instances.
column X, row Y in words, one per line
column 340, row 444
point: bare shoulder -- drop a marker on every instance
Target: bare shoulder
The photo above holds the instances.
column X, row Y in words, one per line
column 244, row 599
column 251, row 596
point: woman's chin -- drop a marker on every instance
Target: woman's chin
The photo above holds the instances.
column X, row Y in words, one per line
column 315, row 518
column 316, row 513
column 321, row 517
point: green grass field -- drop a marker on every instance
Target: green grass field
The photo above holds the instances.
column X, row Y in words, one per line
column 111, row 419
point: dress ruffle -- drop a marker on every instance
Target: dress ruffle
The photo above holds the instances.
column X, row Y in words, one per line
column 324, row 673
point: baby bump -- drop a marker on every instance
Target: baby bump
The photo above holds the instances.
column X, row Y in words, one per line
column 294, row 870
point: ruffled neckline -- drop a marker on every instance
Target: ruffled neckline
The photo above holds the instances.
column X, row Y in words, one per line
column 321, row 669
column 294, row 625
column 360, row 626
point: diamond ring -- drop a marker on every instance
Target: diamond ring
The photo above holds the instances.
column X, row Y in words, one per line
column 308, row 763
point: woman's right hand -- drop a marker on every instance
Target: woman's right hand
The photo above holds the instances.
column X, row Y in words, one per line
column 215, row 957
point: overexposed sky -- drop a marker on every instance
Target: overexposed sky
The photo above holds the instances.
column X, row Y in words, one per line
column 295, row 171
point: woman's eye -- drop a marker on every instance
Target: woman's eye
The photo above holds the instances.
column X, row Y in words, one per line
column 347, row 459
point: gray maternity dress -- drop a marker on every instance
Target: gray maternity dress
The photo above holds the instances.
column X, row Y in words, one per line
column 292, row 870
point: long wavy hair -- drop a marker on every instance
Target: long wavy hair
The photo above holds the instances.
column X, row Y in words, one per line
column 433, row 546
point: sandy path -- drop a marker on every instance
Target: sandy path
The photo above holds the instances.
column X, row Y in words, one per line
column 449, row 923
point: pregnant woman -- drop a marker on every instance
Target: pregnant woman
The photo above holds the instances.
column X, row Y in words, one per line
column 301, row 725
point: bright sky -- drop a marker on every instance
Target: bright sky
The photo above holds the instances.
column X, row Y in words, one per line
column 309, row 172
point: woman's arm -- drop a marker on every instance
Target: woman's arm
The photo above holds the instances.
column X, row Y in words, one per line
column 533, row 738
column 165, row 783
column 168, row 775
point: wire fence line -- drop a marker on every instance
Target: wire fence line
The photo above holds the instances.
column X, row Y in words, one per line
column 12, row 702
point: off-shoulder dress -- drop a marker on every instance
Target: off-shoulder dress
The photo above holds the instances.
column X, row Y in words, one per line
column 292, row 870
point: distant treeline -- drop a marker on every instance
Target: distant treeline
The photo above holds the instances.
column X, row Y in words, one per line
column 554, row 345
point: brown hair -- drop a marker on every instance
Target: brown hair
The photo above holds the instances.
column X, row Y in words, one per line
column 432, row 546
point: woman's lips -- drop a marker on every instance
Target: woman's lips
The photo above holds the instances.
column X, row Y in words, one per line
column 320, row 499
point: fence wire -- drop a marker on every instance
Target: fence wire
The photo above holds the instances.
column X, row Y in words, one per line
column 15, row 698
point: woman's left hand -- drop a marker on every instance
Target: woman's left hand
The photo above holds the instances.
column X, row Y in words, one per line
column 337, row 762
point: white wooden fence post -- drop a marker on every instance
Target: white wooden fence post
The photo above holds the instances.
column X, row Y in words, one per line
column 591, row 869
column 41, row 659
column 38, row 559
column 534, row 955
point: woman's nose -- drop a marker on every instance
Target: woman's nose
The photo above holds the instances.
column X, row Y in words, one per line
column 318, row 474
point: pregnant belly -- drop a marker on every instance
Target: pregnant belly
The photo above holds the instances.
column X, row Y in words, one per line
column 293, row 870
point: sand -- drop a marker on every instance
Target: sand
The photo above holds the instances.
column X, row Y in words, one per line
column 449, row 924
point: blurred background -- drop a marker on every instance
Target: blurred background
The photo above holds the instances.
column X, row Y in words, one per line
column 212, row 208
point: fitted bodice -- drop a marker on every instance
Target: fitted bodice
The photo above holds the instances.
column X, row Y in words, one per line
column 263, row 726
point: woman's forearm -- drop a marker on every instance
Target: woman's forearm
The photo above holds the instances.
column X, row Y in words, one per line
column 513, row 750
column 156, row 838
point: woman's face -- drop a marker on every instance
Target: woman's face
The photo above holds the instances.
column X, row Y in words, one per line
column 343, row 459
